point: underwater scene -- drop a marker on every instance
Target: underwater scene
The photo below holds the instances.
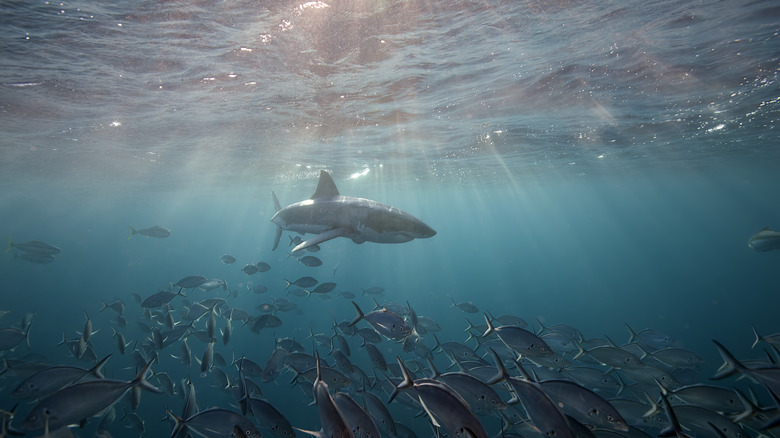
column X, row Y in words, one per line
column 395, row 219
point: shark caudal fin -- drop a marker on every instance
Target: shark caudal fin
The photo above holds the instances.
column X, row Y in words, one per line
column 277, row 207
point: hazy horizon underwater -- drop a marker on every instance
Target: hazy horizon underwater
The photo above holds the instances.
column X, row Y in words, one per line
column 589, row 168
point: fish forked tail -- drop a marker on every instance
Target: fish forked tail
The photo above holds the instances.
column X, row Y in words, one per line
column 730, row 365
column 10, row 245
column 359, row 315
column 132, row 232
column 140, row 380
column 278, row 235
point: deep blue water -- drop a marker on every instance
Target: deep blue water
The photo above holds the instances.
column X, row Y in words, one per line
column 590, row 164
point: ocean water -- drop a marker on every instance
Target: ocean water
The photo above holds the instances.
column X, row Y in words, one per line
column 583, row 163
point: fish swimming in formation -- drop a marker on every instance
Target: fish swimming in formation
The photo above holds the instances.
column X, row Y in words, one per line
column 34, row 251
column 765, row 240
column 155, row 231
column 328, row 214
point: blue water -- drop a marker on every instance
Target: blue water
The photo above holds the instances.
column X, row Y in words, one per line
column 583, row 163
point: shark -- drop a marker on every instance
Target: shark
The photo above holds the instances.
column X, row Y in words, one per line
column 329, row 215
column 765, row 240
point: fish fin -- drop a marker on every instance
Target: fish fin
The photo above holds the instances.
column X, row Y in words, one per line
column 97, row 370
column 490, row 327
column 326, row 188
column 502, row 373
column 322, row 237
column 758, row 337
column 359, row 316
column 140, row 380
column 428, row 411
column 10, row 245
column 132, row 232
column 278, row 235
column 632, row 334
column 730, row 365
column 316, row 433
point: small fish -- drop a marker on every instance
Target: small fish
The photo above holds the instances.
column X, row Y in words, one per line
column 215, row 422
column 274, row 365
column 310, row 261
column 11, row 337
column 764, row 240
column 191, row 282
column 466, row 307
column 160, row 299
column 48, row 381
column 373, row 290
column 258, row 289
column 385, row 322
column 155, row 231
column 213, row 284
column 262, row 267
column 267, row 415
column 303, row 282
column 208, row 360
column 228, row 259
column 117, row 306
column 34, row 247
column 41, row 259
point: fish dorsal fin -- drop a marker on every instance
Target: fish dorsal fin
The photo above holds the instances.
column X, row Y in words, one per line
column 326, row 188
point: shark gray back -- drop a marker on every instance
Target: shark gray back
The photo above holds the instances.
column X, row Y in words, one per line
column 328, row 215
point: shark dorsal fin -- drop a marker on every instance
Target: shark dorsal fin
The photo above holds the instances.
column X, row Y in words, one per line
column 326, row 188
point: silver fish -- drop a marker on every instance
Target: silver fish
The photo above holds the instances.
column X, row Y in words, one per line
column 519, row 339
column 48, row 381
column 386, row 323
column 444, row 406
column 82, row 400
column 160, row 299
column 334, row 425
column 227, row 259
column 764, row 240
column 155, row 231
column 362, row 424
column 208, row 360
column 274, row 365
column 543, row 412
column 584, row 405
column 215, row 423
column 34, row 247
column 466, row 307
column 270, row 418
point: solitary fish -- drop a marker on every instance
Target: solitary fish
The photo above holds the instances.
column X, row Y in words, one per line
column 34, row 247
column 228, row 259
column 155, row 231
column 328, row 214
column 765, row 240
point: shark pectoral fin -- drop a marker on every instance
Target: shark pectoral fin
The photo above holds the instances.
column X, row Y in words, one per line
column 277, row 237
column 322, row 237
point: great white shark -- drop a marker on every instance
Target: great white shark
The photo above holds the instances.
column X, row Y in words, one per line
column 328, row 214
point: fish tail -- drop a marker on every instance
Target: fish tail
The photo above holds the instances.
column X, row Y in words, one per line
column 730, row 365
column 97, row 370
column 490, row 327
column 132, row 232
column 632, row 334
column 359, row 316
column 10, row 245
column 502, row 372
column 407, row 382
column 758, row 337
column 27, row 335
column 288, row 283
column 105, row 306
column 438, row 344
column 140, row 380
column 180, row 424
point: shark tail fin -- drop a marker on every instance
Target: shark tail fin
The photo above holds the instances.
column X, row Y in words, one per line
column 278, row 235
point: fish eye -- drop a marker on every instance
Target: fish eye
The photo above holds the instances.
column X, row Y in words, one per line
column 610, row 418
